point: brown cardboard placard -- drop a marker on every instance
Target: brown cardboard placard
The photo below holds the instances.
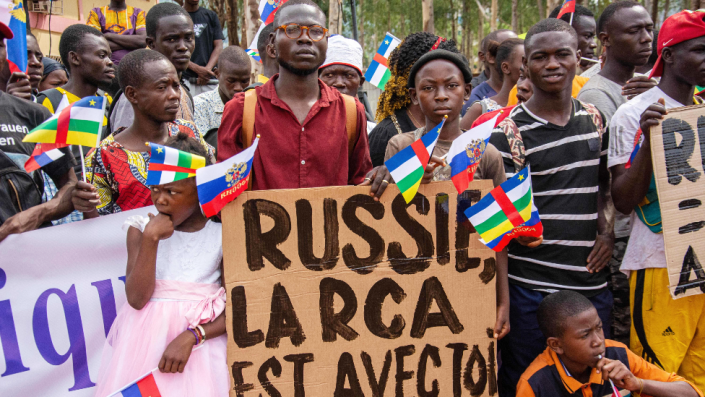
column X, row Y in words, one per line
column 679, row 163
column 352, row 322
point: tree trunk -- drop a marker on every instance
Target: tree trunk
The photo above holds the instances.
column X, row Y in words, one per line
column 233, row 15
column 334, row 17
column 539, row 3
column 251, row 20
column 654, row 12
column 427, row 16
column 550, row 5
column 402, row 19
column 361, row 26
column 515, row 15
column 666, row 7
column 694, row 4
column 453, row 22
column 493, row 20
column 480, row 31
column 466, row 29
column 243, row 26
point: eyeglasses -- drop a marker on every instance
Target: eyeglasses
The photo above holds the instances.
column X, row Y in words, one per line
column 294, row 31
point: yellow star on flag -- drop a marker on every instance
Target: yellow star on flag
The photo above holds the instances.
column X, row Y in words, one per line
column 386, row 41
column 521, row 177
column 159, row 150
column 92, row 102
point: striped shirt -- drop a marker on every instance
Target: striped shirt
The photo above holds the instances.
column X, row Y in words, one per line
column 564, row 172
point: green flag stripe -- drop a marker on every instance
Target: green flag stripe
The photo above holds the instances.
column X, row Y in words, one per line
column 180, row 175
column 90, row 127
column 50, row 124
column 384, row 79
column 184, row 159
column 500, row 217
column 410, row 180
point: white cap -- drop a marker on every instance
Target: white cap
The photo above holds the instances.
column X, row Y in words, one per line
column 343, row 51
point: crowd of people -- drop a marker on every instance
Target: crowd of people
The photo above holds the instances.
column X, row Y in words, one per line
column 581, row 309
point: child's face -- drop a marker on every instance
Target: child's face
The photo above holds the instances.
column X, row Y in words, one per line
column 440, row 90
column 582, row 340
column 177, row 199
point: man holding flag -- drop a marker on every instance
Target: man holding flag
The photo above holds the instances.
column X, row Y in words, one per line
column 564, row 142
column 23, row 210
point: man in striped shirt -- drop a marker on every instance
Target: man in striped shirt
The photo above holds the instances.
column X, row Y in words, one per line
column 563, row 141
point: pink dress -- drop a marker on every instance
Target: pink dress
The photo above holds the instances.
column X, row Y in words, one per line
column 187, row 292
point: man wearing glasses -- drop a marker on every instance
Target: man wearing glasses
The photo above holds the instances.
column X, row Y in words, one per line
column 302, row 122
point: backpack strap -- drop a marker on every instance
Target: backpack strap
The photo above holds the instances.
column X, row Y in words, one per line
column 350, row 122
column 516, row 143
column 596, row 118
column 248, row 118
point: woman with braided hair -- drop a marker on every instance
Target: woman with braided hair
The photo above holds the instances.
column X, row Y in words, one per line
column 395, row 109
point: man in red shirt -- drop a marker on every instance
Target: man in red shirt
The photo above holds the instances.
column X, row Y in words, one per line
column 302, row 121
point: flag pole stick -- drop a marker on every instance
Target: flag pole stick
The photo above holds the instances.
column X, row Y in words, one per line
column 571, row 19
column 83, row 163
column 97, row 143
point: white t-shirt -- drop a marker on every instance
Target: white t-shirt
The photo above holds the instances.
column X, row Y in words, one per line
column 645, row 249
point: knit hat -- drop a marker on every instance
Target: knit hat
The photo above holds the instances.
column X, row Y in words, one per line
column 679, row 27
column 51, row 65
column 343, row 51
column 457, row 59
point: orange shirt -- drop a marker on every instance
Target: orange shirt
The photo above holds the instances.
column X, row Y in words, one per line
column 578, row 83
column 540, row 379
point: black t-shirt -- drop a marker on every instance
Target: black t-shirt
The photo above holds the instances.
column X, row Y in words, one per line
column 206, row 28
column 386, row 130
column 17, row 118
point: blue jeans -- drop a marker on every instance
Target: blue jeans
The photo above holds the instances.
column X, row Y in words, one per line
column 525, row 341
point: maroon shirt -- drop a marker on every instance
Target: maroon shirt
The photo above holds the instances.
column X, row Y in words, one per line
column 292, row 155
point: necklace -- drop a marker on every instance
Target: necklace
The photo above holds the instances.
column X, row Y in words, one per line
column 413, row 119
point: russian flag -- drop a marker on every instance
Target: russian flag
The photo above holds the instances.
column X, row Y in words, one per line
column 145, row 386
column 13, row 15
column 267, row 9
column 43, row 154
column 467, row 150
column 568, row 6
column 221, row 183
column 638, row 139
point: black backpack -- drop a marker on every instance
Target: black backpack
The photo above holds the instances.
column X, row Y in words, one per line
column 18, row 191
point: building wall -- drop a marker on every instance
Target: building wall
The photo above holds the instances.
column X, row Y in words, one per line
column 75, row 11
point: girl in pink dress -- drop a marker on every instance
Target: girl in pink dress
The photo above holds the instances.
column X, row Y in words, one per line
column 175, row 298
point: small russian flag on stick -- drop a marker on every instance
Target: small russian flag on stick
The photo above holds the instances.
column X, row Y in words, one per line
column 466, row 151
column 145, row 386
column 221, row 183
column 43, row 154
column 638, row 139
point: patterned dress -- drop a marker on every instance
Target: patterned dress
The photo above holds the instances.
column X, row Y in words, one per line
column 121, row 174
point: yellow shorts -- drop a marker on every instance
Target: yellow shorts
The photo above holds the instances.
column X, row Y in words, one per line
column 666, row 332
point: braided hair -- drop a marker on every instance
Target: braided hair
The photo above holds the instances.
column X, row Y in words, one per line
column 396, row 94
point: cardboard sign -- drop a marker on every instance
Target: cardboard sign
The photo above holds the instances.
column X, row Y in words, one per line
column 678, row 147
column 333, row 294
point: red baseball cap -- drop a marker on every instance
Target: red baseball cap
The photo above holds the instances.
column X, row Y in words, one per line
column 6, row 31
column 677, row 28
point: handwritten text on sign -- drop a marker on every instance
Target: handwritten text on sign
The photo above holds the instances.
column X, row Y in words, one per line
column 678, row 148
column 333, row 294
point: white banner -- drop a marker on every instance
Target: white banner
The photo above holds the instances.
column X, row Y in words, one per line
column 60, row 289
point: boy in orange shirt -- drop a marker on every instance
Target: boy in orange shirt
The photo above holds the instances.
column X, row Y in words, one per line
column 579, row 361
